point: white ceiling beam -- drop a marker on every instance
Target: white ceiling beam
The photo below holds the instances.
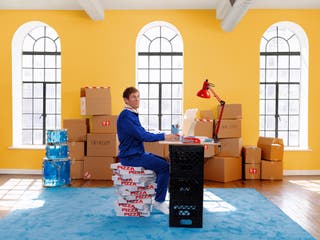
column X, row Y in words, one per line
column 222, row 8
column 93, row 8
column 235, row 14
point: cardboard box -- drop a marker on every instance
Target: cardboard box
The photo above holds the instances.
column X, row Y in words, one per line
column 251, row 154
column 252, row 171
column 102, row 144
column 206, row 114
column 76, row 169
column 166, row 152
column 76, row 150
column 204, row 128
column 209, row 150
column 155, row 148
column 95, row 101
column 223, row 169
column 104, row 124
column 230, row 111
column 271, row 148
column 229, row 128
column 77, row 129
column 229, row 147
column 271, row 170
column 98, row 168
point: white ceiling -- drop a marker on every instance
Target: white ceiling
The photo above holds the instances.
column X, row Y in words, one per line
column 152, row 4
column 230, row 12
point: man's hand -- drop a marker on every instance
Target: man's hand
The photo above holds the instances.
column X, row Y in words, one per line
column 171, row 137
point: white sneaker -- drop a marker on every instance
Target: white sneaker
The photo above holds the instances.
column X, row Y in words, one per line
column 162, row 207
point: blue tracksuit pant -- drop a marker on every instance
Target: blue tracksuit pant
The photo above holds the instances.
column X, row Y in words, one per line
column 157, row 164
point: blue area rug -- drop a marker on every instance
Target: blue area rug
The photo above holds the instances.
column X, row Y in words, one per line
column 87, row 213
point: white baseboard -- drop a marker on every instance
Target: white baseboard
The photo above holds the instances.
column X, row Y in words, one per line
column 21, row 171
column 301, row 172
column 39, row 172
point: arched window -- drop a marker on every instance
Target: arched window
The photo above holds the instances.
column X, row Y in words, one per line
column 284, row 84
column 159, row 57
column 36, row 83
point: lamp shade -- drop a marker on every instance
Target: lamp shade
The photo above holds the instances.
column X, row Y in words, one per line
column 203, row 93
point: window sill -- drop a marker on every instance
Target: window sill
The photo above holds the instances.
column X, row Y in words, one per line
column 296, row 149
column 30, row 147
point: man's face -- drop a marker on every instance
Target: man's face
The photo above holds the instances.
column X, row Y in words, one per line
column 133, row 100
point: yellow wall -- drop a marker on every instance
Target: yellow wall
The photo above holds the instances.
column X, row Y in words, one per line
column 102, row 53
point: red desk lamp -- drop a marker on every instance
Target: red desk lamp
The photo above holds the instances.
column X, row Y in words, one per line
column 204, row 93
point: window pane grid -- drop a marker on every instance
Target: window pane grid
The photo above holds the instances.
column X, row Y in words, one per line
column 158, row 80
column 41, row 65
column 279, row 94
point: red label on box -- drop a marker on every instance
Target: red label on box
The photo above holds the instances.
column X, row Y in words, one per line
column 106, row 123
column 252, row 170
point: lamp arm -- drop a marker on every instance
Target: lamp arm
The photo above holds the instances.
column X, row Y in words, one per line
column 222, row 103
column 216, row 96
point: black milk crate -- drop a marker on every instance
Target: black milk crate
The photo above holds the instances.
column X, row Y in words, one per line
column 186, row 214
column 186, row 188
column 186, row 160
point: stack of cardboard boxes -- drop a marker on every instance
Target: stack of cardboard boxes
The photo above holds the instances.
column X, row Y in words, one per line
column 93, row 143
column 102, row 141
column 251, row 158
column 263, row 161
column 77, row 137
column 226, row 165
column 272, row 156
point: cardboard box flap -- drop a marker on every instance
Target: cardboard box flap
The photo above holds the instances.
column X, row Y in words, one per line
column 95, row 92
column 270, row 141
column 206, row 114
column 231, row 111
column 271, row 148
column 95, row 101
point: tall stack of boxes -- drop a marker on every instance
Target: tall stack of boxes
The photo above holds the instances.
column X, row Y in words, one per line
column 226, row 165
column 77, row 137
column 272, row 156
column 93, row 143
column 102, row 147
column 251, row 158
column 102, row 141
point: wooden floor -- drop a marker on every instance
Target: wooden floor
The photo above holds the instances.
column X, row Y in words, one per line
column 297, row 196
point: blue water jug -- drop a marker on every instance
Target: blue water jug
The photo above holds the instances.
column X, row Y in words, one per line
column 57, row 151
column 57, row 136
column 56, row 172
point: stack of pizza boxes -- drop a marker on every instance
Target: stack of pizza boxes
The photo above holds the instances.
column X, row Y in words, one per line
column 226, row 165
column 135, row 187
column 271, row 158
column 102, row 141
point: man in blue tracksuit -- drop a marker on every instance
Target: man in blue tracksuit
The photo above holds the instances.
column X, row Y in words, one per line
column 131, row 149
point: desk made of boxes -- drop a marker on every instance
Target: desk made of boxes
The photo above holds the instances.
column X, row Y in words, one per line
column 186, row 182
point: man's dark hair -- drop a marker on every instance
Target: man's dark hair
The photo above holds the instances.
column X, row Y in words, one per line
column 128, row 91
